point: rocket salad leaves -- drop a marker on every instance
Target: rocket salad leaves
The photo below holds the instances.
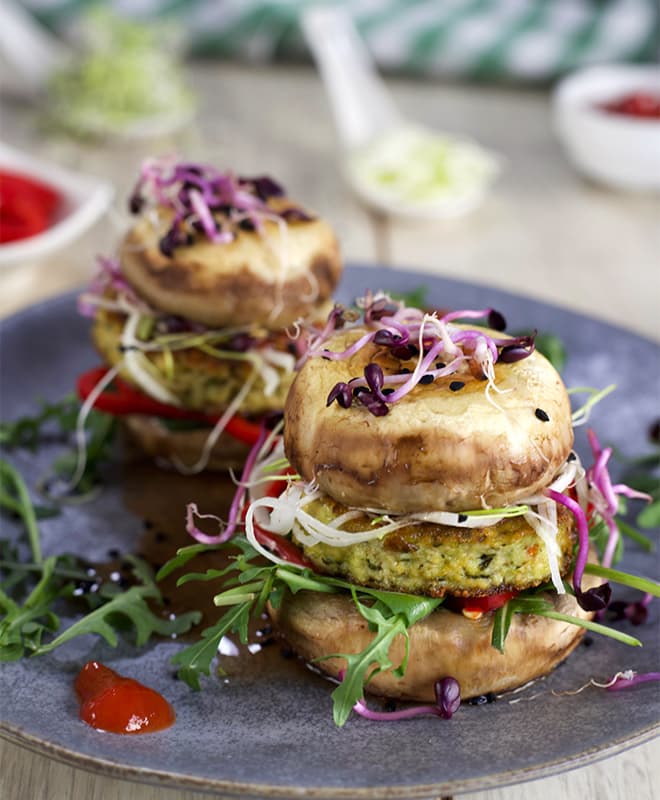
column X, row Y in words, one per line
column 389, row 614
column 33, row 592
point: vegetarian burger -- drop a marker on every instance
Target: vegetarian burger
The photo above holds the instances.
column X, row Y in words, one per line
column 194, row 316
column 433, row 459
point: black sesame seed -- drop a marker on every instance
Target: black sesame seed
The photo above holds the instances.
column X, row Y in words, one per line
column 478, row 701
column 541, row 414
column 588, row 641
column 389, row 390
column 440, row 365
column 654, row 431
column 455, row 386
column 113, row 553
column 428, row 378
column 461, row 517
column 404, row 371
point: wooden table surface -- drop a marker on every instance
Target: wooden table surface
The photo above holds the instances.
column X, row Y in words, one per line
column 542, row 232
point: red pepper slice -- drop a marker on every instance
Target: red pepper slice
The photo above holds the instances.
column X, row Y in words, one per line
column 475, row 604
column 280, row 546
column 276, row 488
column 26, row 206
column 110, row 702
column 120, row 399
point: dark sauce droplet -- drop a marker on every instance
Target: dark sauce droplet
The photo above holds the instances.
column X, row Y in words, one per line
column 541, row 414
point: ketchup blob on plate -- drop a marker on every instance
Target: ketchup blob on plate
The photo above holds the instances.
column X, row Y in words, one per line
column 110, row 702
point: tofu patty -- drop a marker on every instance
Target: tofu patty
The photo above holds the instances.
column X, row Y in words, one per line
column 434, row 560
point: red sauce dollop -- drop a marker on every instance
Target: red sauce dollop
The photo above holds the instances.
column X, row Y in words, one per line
column 635, row 104
column 27, row 206
column 110, row 702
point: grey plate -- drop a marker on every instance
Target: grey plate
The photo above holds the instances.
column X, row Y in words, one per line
column 268, row 732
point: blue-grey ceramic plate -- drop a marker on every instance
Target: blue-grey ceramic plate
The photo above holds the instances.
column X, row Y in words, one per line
column 266, row 729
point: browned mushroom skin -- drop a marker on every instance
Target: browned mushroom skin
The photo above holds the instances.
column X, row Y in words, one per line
column 269, row 277
column 436, row 449
column 444, row 644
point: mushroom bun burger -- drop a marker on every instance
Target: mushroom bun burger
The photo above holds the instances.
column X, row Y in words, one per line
column 193, row 317
column 424, row 512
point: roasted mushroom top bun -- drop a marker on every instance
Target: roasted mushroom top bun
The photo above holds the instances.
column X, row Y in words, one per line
column 427, row 519
column 195, row 316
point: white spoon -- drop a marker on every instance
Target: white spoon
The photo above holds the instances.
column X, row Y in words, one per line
column 395, row 165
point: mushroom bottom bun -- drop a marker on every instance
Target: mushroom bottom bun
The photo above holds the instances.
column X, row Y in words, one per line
column 456, row 443
column 318, row 625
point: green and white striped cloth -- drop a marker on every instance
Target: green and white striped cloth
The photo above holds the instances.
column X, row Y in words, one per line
column 531, row 40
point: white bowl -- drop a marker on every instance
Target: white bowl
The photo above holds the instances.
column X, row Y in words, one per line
column 615, row 149
column 84, row 200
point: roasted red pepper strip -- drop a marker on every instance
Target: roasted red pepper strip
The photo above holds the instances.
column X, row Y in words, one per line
column 473, row 604
column 121, row 399
column 280, row 546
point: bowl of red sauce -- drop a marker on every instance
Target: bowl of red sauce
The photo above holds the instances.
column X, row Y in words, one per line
column 43, row 206
column 608, row 120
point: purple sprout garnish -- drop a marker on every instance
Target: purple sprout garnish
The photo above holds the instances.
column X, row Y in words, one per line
column 109, row 277
column 240, row 343
column 635, row 612
column 447, row 701
column 206, row 201
column 441, row 348
column 341, row 392
column 604, row 497
column 264, row 187
column 629, row 679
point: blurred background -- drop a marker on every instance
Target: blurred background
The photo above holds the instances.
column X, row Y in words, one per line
column 555, row 196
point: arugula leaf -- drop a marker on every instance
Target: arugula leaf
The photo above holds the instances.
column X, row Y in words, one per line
column 28, row 432
column 649, row 517
column 30, row 591
column 133, row 605
column 59, row 420
column 596, row 627
column 635, row 535
column 15, row 497
column 197, row 658
column 635, row 582
column 360, row 667
column 540, row 607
